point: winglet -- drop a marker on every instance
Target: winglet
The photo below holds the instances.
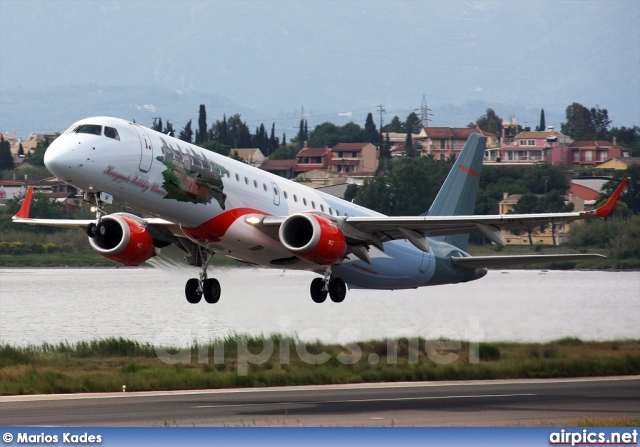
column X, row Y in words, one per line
column 605, row 209
column 23, row 213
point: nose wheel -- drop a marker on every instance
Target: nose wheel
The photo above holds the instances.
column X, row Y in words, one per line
column 203, row 286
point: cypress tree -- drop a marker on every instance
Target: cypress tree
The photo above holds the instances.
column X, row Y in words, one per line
column 6, row 159
column 201, row 134
column 542, row 125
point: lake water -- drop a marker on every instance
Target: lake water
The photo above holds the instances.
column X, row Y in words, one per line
column 148, row 305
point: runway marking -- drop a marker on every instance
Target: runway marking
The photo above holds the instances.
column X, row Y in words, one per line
column 348, row 401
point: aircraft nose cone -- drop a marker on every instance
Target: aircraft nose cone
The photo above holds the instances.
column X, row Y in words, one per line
column 58, row 158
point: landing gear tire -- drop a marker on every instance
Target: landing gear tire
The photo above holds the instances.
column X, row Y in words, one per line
column 211, row 290
column 318, row 295
column 92, row 230
column 102, row 230
column 337, row 290
column 192, row 291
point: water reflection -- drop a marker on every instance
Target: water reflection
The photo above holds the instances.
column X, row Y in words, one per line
column 148, row 305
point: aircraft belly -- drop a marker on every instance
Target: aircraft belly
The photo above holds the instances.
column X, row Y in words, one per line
column 402, row 267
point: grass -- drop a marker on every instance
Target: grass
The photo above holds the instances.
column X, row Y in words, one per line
column 105, row 365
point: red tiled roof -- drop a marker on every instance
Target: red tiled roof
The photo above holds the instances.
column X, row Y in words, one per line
column 277, row 165
column 591, row 144
column 349, row 146
column 439, row 133
column 583, row 192
column 313, row 152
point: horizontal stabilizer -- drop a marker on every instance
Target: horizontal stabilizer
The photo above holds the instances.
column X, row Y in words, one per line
column 474, row 262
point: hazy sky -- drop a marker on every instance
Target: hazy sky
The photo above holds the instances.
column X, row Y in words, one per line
column 336, row 56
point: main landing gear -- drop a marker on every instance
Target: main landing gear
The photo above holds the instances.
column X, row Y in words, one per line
column 196, row 288
column 334, row 287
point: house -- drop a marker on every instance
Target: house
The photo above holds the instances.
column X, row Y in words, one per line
column 283, row 168
column 619, row 163
column 447, row 142
column 348, row 158
column 530, row 147
column 310, row 159
column 590, row 153
column 560, row 231
column 252, row 156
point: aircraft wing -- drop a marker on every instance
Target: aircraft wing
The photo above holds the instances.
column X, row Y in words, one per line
column 475, row 262
column 22, row 216
column 415, row 229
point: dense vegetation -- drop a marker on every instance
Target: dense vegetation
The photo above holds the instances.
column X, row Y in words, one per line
column 244, row 361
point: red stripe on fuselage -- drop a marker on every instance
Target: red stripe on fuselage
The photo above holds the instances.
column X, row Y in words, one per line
column 213, row 229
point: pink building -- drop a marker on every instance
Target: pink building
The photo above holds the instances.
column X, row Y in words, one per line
column 591, row 153
column 531, row 147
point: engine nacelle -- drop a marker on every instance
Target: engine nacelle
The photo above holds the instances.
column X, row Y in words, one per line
column 313, row 238
column 123, row 240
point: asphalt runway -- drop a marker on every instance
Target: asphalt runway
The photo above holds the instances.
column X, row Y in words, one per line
column 472, row 403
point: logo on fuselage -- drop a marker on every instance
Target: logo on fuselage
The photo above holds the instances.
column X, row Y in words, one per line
column 190, row 176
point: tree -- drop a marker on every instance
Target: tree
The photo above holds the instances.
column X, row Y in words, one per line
column 395, row 126
column 157, row 124
column 586, row 124
column 543, row 178
column 6, row 159
column 285, row 153
column 631, row 194
column 385, row 149
column 20, row 151
column 490, row 122
column 628, row 137
column 201, row 133
column 407, row 188
column 328, row 134
column 168, row 130
column 412, row 124
column 186, row 134
column 543, row 125
column 303, row 134
column 409, row 149
column 371, row 134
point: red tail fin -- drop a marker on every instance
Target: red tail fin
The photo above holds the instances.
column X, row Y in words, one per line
column 605, row 209
column 23, row 213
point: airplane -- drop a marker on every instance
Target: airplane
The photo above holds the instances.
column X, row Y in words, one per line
column 206, row 204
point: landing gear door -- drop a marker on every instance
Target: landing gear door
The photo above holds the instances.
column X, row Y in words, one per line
column 146, row 150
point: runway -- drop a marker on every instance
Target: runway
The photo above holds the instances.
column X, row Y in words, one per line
column 474, row 403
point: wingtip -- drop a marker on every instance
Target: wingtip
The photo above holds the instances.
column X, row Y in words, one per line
column 605, row 209
column 23, row 213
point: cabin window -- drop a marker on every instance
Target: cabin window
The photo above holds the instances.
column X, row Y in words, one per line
column 322, row 207
column 330, row 211
column 246, row 180
column 304, row 201
column 237, row 177
column 93, row 129
column 111, row 132
column 284, row 193
column 295, row 198
column 255, row 183
column 313, row 204
column 264, row 186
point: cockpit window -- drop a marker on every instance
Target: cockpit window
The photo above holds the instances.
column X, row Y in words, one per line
column 89, row 128
column 111, row 132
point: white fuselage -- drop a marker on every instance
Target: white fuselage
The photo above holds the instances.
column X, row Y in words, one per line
column 208, row 195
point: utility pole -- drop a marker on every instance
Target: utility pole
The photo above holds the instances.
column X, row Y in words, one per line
column 424, row 112
column 381, row 110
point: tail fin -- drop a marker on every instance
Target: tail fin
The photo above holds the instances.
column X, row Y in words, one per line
column 460, row 189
